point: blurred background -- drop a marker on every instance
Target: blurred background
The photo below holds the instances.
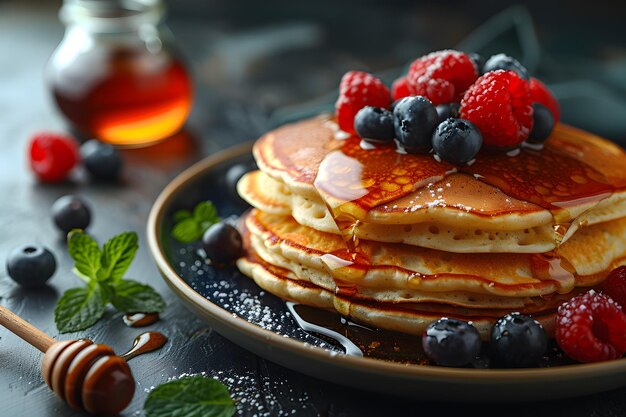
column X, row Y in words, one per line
column 255, row 65
column 259, row 64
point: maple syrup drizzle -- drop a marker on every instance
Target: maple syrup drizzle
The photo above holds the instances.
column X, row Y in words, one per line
column 140, row 319
column 349, row 347
column 144, row 343
column 573, row 168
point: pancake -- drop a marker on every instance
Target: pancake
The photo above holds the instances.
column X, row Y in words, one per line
column 548, row 193
column 585, row 260
column 469, row 237
column 411, row 318
column 398, row 241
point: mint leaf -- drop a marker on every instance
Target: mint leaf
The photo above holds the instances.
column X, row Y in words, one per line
column 190, row 227
column 79, row 308
column 103, row 272
column 133, row 297
column 192, row 396
column 187, row 231
column 117, row 255
column 85, row 253
column 181, row 215
column 206, row 214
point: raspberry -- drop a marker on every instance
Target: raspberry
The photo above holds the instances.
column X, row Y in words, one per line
column 499, row 103
column 454, row 67
column 52, row 156
column 591, row 328
column 615, row 285
column 401, row 88
column 437, row 90
column 357, row 90
column 541, row 94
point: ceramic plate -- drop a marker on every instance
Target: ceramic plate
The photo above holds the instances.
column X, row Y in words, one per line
column 242, row 312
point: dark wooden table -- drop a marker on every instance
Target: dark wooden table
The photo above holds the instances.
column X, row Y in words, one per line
column 238, row 89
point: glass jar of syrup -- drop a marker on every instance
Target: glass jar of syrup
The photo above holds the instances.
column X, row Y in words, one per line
column 116, row 75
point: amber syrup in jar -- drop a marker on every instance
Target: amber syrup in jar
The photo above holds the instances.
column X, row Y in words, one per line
column 116, row 75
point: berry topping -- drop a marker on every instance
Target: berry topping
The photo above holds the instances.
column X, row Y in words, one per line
column 222, row 243
column 445, row 111
column 543, row 123
column 414, row 119
column 505, row 62
column 357, row 90
column 70, row 212
column 31, row 265
column 457, row 141
column 518, row 341
column 499, row 104
column 590, row 328
column 451, row 342
column 541, row 94
column 374, row 124
column 436, row 90
column 102, row 160
column 401, row 88
column 478, row 60
column 442, row 76
column 615, row 285
column 52, row 156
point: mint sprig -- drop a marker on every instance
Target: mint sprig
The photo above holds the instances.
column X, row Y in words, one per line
column 192, row 396
column 103, row 271
column 191, row 225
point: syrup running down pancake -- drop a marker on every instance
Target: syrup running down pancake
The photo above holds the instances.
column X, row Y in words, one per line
column 398, row 241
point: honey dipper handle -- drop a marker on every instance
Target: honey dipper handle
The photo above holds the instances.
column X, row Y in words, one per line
column 25, row 330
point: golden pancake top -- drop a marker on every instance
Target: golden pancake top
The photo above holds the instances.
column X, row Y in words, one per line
column 573, row 172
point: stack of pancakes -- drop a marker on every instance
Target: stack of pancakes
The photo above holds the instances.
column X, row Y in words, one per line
column 397, row 241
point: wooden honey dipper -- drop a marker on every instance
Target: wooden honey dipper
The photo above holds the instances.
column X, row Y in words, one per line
column 87, row 376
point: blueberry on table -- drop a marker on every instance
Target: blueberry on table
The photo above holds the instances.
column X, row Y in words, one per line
column 457, row 141
column 414, row 119
column 101, row 160
column 543, row 123
column 374, row 124
column 70, row 212
column 222, row 243
column 447, row 110
column 451, row 342
column 518, row 341
column 31, row 265
column 505, row 62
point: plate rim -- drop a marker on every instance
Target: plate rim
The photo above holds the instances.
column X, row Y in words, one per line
column 376, row 366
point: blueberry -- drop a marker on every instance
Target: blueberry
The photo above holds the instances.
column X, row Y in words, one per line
column 518, row 341
column 414, row 119
column 70, row 212
column 478, row 61
column 222, row 243
column 31, row 265
column 457, row 141
column 374, row 124
column 505, row 62
column 233, row 175
column 447, row 110
column 543, row 123
column 451, row 342
column 101, row 160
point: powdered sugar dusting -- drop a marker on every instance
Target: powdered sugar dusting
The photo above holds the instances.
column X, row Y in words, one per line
column 239, row 295
column 255, row 394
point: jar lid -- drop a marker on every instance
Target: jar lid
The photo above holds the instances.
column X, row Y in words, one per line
column 111, row 15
